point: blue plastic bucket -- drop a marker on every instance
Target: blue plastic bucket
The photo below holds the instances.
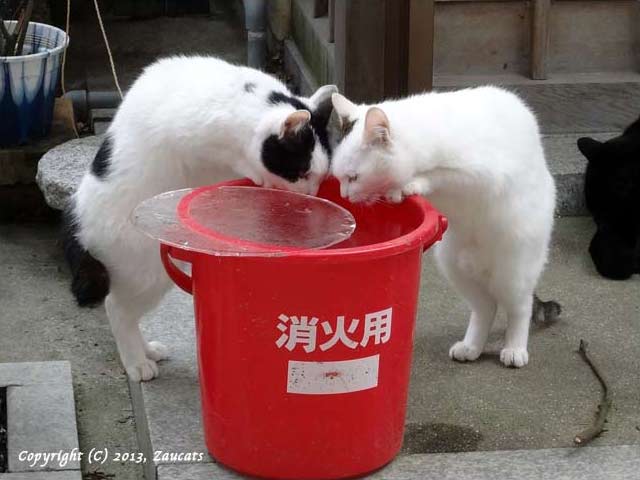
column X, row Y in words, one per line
column 28, row 84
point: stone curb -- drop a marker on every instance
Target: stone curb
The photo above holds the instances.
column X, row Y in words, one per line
column 41, row 418
column 588, row 463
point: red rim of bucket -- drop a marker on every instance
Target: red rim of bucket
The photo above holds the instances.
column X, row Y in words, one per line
column 184, row 214
column 424, row 235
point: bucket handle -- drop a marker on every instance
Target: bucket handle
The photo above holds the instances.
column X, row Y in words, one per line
column 443, row 223
column 180, row 278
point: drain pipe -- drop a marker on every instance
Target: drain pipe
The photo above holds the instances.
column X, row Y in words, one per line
column 85, row 100
column 255, row 13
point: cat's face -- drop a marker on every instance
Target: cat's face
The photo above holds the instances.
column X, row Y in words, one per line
column 292, row 143
column 364, row 161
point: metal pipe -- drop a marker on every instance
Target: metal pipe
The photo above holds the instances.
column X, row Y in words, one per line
column 86, row 100
column 255, row 14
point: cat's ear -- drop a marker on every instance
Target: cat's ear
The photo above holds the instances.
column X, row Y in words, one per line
column 376, row 128
column 323, row 95
column 322, row 105
column 590, row 148
column 633, row 129
column 294, row 123
column 345, row 109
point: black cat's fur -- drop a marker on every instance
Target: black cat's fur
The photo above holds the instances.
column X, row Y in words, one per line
column 612, row 190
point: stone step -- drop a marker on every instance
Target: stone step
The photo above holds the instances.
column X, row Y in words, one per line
column 568, row 167
column 567, row 103
column 41, row 418
column 595, row 463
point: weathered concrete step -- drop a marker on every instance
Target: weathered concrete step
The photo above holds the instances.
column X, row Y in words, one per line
column 311, row 39
column 568, row 168
column 587, row 463
column 41, row 419
column 594, row 102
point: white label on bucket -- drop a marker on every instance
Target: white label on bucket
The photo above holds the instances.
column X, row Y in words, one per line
column 326, row 378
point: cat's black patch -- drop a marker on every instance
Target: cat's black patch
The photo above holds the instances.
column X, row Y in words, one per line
column 347, row 126
column 102, row 160
column 289, row 157
column 612, row 192
column 249, row 87
column 90, row 279
column 319, row 117
column 276, row 98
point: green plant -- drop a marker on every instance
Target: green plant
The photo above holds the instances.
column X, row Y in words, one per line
column 11, row 44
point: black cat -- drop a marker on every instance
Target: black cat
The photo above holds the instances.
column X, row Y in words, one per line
column 612, row 190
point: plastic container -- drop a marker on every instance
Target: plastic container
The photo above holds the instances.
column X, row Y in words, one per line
column 28, row 84
column 304, row 357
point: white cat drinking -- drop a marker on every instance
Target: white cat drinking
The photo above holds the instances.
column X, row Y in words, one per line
column 476, row 154
column 186, row 122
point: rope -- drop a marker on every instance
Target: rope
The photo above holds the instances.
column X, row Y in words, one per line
column 64, row 54
column 64, row 66
column 106, row 44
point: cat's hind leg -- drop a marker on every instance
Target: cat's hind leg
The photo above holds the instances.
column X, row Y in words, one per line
column 483, row 305
column 124, row 310
column 514, row 281
column 518, row 308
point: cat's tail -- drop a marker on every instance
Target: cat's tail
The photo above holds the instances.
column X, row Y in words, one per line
column 545, row 313
column 90, row 284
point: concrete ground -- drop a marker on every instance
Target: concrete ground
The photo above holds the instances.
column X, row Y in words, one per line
column 478, row 406
column 39, row 321
column 483, row 406
column 137, row 43
column 452, row 407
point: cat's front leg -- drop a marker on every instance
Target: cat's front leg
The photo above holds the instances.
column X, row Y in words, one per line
column 418, row 186
column 483, row 305
column 393, row 196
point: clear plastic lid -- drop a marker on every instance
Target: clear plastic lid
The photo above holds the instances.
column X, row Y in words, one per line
column 243, row 220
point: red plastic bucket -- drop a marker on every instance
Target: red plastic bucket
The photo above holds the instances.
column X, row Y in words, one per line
column 304, row 359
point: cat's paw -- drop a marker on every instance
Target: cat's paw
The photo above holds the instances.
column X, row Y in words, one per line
column 142, row 371
column 412, row 188
column 462, row 352
column 419, row 186
column 514, row 357
column 156, row 351
column 394, row 196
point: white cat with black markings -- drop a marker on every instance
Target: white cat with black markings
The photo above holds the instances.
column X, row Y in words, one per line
column 476, row 154
column 187, row 121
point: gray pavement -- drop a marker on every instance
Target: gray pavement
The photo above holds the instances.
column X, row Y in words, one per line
column 39, row 321
column 452, row 407
column 456, row 407
column 137, row 43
